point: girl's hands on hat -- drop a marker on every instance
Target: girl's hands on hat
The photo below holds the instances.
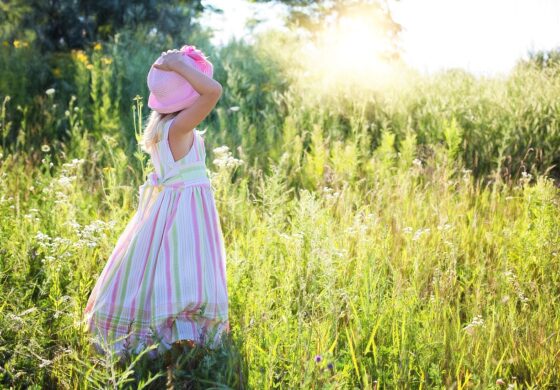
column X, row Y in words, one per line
column 169, row 60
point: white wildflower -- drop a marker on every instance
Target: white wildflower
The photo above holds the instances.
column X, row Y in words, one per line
column 445, row 226
column 66, row 181
column 477, row 321
column 419, row 233
column 221, row 150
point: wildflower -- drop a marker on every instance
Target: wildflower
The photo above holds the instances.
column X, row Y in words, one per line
column 45, row 148
column 221, row 150
column 445, row 226
column 50, row 91
column 65, row 181
column 419, row 233
column 476, row 322
column 80, row 56
column 106, row 60
column 318, row 358
column 225, row 159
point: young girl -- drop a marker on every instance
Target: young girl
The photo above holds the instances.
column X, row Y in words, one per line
column 166, row 278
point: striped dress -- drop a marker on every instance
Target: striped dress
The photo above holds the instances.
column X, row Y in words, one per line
column 166, row 277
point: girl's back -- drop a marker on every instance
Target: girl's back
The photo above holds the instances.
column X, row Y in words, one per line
column 165, row 280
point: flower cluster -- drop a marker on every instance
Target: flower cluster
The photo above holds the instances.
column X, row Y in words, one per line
column 477, row 321
column 418, row 233
column 90, row 235
column 512, row 280
column 224, row 158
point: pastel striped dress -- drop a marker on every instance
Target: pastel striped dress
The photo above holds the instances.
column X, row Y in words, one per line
column 166, row 278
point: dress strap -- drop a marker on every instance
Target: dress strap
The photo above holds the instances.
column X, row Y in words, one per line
column 166, row 128
column 195, row 143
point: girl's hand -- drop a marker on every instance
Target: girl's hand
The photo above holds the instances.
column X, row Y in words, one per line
column 169, row 60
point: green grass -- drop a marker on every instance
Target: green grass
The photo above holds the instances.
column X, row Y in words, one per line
column 399, row 250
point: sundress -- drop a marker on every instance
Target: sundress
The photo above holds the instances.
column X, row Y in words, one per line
column 166, row 277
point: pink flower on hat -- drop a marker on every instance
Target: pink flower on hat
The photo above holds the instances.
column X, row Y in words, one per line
column 171, row 92
column 194, row 53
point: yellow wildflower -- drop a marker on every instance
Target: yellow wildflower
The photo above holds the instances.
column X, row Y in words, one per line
column 80, row 56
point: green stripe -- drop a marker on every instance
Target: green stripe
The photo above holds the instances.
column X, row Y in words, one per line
column 176, row 263
column 201, row 233
column 151, row 265
column 109, row 278
column 123, row 286
column 199, row 175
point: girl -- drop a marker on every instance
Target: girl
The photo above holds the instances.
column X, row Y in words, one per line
column 166, row 278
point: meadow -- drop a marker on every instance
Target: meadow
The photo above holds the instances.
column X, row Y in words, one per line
column 404, row 237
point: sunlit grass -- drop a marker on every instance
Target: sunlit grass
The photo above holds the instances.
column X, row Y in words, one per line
column 369, row 252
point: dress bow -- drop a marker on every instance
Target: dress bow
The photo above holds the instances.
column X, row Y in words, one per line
column 145, row 199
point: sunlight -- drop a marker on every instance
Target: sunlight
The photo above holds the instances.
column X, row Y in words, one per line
column 350, row 52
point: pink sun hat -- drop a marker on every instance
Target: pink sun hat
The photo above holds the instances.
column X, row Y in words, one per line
column 171, row 92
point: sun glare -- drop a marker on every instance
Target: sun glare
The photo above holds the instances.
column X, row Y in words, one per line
column 350, row 53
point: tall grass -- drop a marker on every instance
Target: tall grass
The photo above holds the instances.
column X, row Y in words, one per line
column 390, row 240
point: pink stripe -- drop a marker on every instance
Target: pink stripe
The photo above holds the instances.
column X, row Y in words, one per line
column 197, row 251
column 150, row 289
column 195, row 145
column 217, row 239
column 115, row 255
column 109, row 321
column 209, row 227
column 167, row 253
column 133, row 304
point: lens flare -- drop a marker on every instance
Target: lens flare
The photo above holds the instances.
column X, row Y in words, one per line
column 350, row 53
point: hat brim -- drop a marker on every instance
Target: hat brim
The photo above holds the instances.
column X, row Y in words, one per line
column 162, row 108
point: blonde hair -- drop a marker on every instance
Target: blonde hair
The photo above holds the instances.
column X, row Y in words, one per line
column 153, row 130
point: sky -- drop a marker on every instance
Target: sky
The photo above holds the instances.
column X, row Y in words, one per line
column 485, row 37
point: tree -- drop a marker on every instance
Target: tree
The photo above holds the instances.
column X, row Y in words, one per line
column 313, row 15
column 60, row 25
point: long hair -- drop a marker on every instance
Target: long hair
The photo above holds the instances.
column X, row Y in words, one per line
column 153, row 130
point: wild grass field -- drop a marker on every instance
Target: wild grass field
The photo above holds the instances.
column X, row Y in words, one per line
column 406, row 237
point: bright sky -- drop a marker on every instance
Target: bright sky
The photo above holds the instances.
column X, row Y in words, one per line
column 481, row 36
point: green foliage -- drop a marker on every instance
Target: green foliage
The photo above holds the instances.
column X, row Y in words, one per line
column 363, row 229
column 66, row 24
